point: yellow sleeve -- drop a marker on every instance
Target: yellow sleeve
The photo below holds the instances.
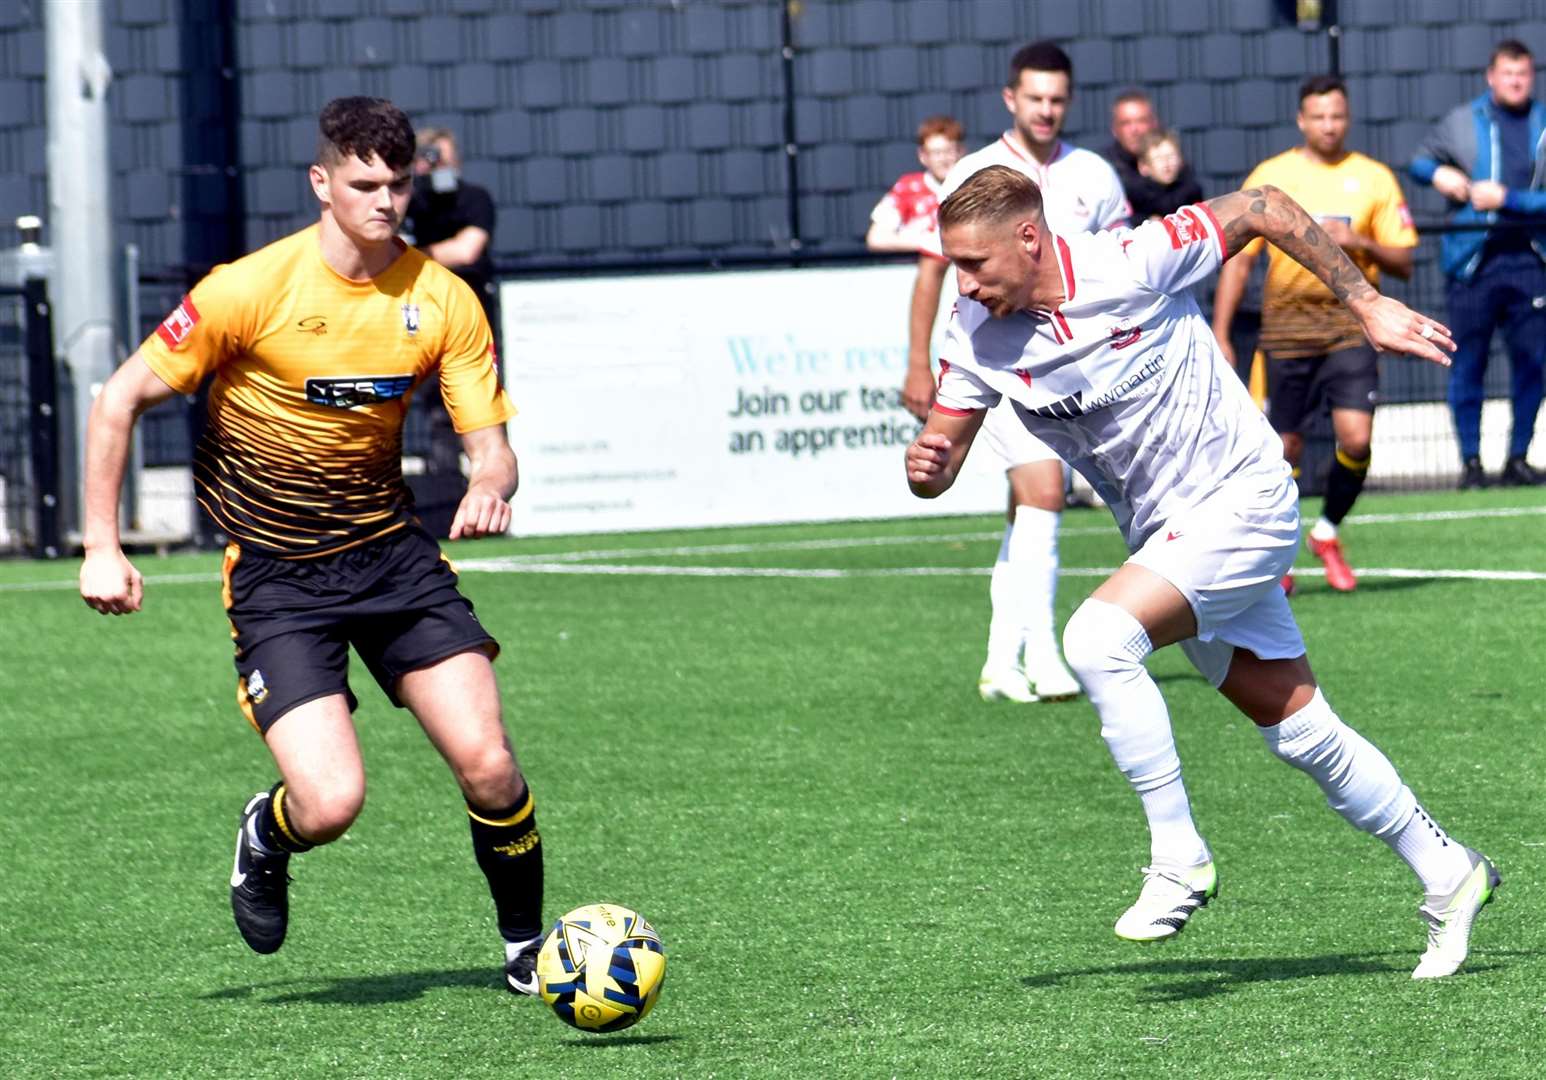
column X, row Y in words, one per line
column 1392, row 221
column 469, row 371
column 204, row 331
column 1257, row 177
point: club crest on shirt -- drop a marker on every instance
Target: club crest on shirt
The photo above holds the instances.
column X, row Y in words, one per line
column 1124, row 334
column 411, row 319
column 257, row 688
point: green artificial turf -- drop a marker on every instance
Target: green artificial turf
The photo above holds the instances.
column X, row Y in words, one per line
column 858, row 868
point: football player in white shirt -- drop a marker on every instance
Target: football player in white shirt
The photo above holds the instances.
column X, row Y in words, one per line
column 1101, row 350
column 1082, row 194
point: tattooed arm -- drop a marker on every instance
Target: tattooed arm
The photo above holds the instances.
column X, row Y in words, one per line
column 1389, row 324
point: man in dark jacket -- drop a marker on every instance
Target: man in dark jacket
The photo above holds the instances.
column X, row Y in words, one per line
column 1488, row 158
column 1132, row 118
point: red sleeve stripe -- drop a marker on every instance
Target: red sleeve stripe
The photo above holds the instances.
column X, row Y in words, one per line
column 1218, row 230
column 1175, row 237
column 946, row 410
column 933, row 254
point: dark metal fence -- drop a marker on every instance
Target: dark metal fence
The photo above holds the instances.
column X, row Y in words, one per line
column 29, row 431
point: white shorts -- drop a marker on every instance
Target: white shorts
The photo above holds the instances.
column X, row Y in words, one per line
column 1228, row 557
column 1009, row 440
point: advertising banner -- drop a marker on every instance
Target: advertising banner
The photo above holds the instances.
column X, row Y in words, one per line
column 721, row 398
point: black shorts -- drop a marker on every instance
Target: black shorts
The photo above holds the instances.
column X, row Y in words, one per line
column 394, row 599
column 1297, row 388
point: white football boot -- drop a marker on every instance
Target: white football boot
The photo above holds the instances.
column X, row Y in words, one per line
column 1005, row 684
column 1051, row 680
column 1168, row 899
column 1449, row 919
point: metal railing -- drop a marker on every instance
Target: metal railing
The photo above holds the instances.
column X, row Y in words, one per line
column 29, row 428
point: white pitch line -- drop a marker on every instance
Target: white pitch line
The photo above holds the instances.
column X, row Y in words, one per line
column 1446, row 515
column 563, row 562
column 496, row 566
column 839, row 543
column 828, row 544
column 501, row 566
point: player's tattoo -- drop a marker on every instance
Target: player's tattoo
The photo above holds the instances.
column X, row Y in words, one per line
column 1268, row 212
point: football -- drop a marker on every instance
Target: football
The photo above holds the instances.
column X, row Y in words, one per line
column 601, row 968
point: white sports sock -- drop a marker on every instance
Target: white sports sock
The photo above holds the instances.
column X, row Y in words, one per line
column 1106, row 648
column 1363, row 786
column 1323, row 530
column 1004, row 633
column 1033, row 552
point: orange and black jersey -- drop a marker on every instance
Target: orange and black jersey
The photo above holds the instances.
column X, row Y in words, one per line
column 313, row 372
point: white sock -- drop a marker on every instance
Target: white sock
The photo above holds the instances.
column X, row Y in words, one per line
column 1004, row 633
column 1323, row 530
column 1033, row 552
column 1363, row 786
column 1106, row 648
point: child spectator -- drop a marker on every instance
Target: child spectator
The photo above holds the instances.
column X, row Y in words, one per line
column 1160, row 161
column 906, row 214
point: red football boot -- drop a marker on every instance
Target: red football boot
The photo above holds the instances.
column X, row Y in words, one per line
column 1339, row 575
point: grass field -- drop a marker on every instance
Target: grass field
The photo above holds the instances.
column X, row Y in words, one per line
column 769, row 742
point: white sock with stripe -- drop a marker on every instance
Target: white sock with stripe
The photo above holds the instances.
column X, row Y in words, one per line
column 1106, row 648
column 1363, row 786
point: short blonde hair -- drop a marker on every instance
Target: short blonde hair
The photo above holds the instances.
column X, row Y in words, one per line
column 1158, row 138
column 992, row 194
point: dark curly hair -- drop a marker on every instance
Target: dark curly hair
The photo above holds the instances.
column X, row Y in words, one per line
column 366, row 127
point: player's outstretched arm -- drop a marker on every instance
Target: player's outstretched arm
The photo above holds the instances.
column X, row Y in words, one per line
column 934, row 457
column 109, row 583
column 1389, row 324
column 485, row 509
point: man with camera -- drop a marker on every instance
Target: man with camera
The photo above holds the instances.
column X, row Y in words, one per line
column 452, row 222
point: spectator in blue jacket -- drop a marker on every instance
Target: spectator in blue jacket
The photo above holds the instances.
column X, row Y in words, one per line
column 1488, row 158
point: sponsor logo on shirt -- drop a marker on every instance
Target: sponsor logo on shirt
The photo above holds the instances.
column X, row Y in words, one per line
column 312, row 324
column 354, row 393
column 176, row 327
column 1074, row 404
column 1184, row 227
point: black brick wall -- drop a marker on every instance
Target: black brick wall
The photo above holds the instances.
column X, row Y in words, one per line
column 623, row 129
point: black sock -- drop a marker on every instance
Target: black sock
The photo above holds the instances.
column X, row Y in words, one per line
column 509, row 851
column 274, row 830
column 1343, row 485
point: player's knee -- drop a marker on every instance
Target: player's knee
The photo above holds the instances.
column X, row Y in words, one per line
column 490, row 777
column 1354, row 450
column 1103, row 640
column 324, row 811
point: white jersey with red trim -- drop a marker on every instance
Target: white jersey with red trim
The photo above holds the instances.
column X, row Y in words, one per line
column 1124, row 379
column 1080, row 191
